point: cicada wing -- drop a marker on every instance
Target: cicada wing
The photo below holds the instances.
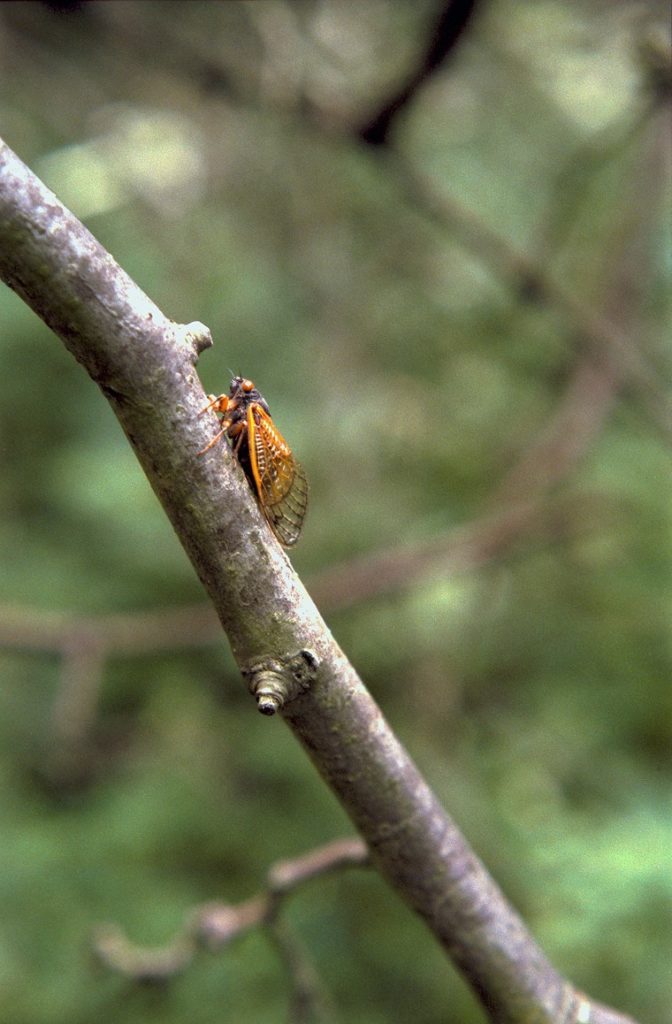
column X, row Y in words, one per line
column 281, row 482
column 286, row 516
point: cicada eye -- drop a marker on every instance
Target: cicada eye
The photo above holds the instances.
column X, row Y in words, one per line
column 247, row 385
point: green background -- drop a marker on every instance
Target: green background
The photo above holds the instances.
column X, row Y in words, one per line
column 212, row 148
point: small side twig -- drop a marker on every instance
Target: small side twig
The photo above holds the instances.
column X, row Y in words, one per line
column 213, row 926
column 309, row 1000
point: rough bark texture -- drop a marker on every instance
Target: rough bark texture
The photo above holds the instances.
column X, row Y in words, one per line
column 144, row 365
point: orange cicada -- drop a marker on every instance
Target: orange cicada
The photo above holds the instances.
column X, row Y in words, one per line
column 267, row 460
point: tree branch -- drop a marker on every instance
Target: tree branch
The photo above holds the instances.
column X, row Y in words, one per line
column 144, row 364
column 215, row 925
column 603, row 332
column 451, row 22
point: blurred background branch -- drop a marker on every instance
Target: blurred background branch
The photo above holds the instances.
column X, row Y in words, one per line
column 214, row 926
column 452, row 21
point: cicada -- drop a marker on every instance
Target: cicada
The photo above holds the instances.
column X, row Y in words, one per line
column 273, row 473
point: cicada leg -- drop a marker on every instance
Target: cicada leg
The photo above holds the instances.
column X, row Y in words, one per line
column 220, row 404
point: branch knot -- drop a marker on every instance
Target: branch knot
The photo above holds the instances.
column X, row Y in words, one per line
column 277, row 681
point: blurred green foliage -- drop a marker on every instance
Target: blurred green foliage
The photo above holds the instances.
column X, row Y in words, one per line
column 210, row 148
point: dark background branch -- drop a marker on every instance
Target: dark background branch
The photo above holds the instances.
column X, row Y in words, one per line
column 451, row 23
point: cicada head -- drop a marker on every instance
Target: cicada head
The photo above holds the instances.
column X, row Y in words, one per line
column 244, row 393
